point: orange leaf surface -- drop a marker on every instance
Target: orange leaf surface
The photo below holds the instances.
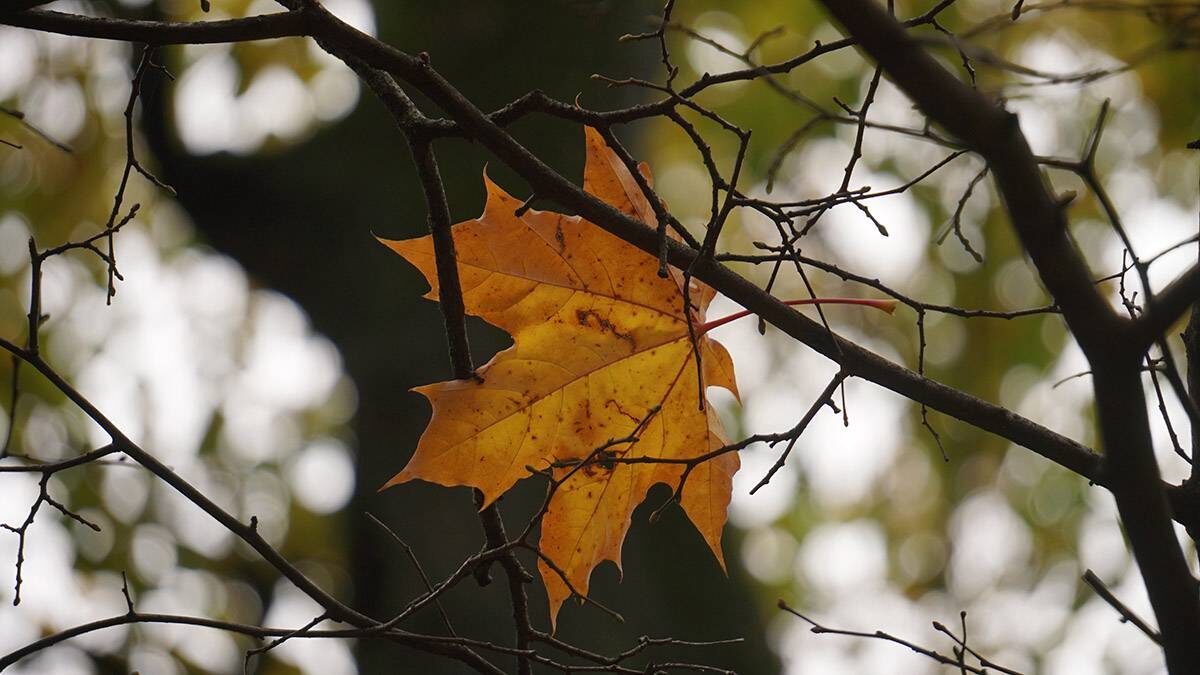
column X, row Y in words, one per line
column 600, row 345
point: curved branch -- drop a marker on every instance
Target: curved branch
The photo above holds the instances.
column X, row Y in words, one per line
column 131, row 618
column 264, row 27
column 453, row 647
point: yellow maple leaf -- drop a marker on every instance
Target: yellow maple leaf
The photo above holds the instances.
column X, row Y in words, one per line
column 601, row 351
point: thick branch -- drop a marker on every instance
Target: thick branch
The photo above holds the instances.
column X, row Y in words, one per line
column 263, row 27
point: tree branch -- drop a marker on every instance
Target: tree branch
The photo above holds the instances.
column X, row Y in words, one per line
column 453, row 647
column 264, row 27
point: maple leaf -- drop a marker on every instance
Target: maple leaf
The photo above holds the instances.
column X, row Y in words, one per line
column 601, row 351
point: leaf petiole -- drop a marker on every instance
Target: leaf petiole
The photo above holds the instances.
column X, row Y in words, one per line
column 888, row 306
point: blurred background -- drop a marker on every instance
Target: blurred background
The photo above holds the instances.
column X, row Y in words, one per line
column 263, row 344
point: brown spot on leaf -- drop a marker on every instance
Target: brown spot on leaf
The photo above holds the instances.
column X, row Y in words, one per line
column 586, row 317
